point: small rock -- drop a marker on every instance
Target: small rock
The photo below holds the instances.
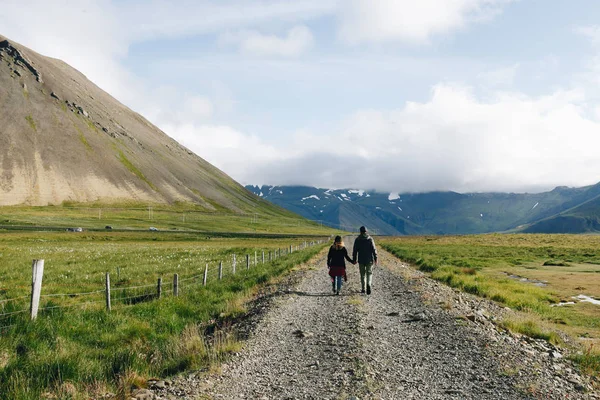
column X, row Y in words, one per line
column 159, row 385
column 555, row 355
column 143, row 394
column 419, row 316
column 302, row 334
column 393, row 314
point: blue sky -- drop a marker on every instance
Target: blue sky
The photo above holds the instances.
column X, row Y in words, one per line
column 391, row 95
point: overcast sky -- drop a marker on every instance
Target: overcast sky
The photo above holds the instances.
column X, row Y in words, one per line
column 391, row 95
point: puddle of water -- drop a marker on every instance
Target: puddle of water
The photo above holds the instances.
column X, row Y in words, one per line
column 535, row 282
column 581, row 298
column 562, row 303
column 587, row 299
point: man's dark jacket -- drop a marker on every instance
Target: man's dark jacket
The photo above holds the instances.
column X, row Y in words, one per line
column 365, row 247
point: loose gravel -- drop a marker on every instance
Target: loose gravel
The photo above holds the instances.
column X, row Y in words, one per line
column 412, row 338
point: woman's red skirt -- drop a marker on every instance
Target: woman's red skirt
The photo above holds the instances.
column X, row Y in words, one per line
column 337, row 271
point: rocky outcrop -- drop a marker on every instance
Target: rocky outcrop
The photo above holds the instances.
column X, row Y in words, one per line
column 19, row 59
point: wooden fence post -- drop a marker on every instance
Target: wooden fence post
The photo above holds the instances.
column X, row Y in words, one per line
column 159, row 288
column 247, row 261
column 108, row 292
column 263, row 256
column 37, row 272
column 220, row 270
column 176, row 285
column 233, row 269
column 291, row 249
column 205, row 275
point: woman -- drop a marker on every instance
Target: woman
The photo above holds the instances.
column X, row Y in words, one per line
column 337, row 264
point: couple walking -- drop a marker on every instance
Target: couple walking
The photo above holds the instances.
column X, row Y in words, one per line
column 364, row 247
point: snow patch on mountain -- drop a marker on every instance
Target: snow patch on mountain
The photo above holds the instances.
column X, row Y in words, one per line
column 358, row 192
column 312, row 196
column 393, row 196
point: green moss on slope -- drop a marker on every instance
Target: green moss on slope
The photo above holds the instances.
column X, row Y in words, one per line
column 132, row 168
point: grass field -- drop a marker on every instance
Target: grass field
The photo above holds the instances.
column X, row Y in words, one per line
column 136, row 216
column 529, row 273
column 76, row 348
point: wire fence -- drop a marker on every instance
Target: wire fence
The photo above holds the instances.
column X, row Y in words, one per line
column 19, row 310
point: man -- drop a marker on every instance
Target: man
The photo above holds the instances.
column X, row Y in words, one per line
column 364, row 246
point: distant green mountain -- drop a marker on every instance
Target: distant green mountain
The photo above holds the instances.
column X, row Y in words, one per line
column 573, row 210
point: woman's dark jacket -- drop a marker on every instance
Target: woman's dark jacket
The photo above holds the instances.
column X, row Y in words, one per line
column 336, row 261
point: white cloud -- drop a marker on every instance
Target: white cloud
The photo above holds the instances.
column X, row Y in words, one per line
column 454, row 141
column 592, row 32
column 193, row 17
column 503, row 76
column 411, row 21
column 226, row 148
column 85, row 34
column 298, row 40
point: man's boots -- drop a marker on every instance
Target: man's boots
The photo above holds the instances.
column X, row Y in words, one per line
column 368, row 289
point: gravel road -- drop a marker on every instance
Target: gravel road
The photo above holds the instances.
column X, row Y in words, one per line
column 412, row 338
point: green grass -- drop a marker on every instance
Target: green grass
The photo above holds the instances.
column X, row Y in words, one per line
column 31, row 122
column 133, row 169
column 589, row 360
column 87, row 347
column 170, row 218
column 85, row 142
column 91, row 125
column 483, row 265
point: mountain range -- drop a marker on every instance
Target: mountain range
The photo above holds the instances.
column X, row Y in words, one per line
column 561, row 210
column 63, row 139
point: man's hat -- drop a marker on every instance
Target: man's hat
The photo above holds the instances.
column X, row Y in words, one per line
column 363, row 229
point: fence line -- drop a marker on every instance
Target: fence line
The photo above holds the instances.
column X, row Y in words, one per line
column 214, row 272
column 13, row 299
column 71, row 294
column 13, row 313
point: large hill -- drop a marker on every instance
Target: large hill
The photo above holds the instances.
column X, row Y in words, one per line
column 568, row 210
column 64, row 139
